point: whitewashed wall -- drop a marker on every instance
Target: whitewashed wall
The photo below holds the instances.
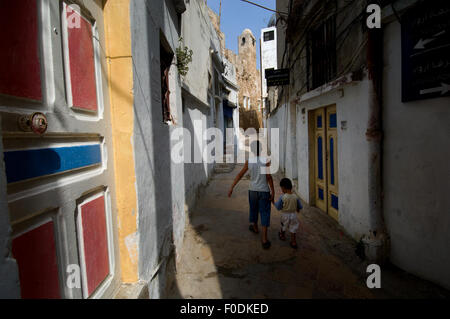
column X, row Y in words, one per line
column 159, row 181
column 416, row 173
column 353, row 157
column 277, row 119
column 199, row 35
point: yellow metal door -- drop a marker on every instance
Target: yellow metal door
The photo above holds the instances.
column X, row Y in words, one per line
column 320, row 174
column 332, row 180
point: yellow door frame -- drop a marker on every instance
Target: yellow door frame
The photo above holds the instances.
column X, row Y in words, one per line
column 320, row 172
column 331, row 155
column 323, row 183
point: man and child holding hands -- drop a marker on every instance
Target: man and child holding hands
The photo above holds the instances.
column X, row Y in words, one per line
column 261, row 195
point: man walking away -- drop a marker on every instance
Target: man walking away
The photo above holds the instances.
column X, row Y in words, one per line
column 261, row 191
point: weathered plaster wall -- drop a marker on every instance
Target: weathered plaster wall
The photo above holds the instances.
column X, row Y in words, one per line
column 290, row 141
column 282, row 6
column 236, row 121
column 218, row 115
column 352, row 107
column 160, row 182
column 230, row 75
column 164, row 186
column 284, row 119
column 216, row 24
column 195, row 174
column 277, row 119
column 415, row 172
column 351, row 52
column 9, row 275
column 200, row 36
column 202, row 103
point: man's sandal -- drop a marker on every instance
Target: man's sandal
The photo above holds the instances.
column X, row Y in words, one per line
column 293, row 245
column 266, row 245
column 252, row 229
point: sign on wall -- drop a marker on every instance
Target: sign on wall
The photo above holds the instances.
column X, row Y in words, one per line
column 426, row 51
column 277, row 77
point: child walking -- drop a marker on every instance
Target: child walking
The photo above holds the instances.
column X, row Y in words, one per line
column 290, row 205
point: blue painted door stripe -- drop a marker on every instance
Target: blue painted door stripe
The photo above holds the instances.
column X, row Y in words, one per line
column 333, row 120
column 321, row 193
column 334, row 202
column 332, row 160
column 319, row 121
column 27, row 164
column 320, row 157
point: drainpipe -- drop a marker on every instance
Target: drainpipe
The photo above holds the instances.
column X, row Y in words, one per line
column 376, row 242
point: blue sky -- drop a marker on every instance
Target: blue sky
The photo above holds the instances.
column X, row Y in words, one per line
column 238, row 15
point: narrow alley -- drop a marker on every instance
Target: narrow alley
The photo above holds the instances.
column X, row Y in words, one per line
column 139, row 140
column 221, row 258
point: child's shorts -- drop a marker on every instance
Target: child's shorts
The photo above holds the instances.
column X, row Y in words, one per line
column 289, row 221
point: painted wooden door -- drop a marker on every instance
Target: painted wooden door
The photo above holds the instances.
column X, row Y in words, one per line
column 60, row 185
column 320, row 159
column 332, row 176
column 325, row 160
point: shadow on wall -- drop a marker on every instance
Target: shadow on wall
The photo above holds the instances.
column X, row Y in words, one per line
column 196, row 177
column 195, row 174
column 152, row 145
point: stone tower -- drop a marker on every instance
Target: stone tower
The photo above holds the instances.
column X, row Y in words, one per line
column 247, row 48
column 248, row 74
column 248, row 78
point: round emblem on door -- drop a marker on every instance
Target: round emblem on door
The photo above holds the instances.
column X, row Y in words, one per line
column 37, row 123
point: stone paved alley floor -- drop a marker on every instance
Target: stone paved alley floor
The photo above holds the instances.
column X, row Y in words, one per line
column 221, row 258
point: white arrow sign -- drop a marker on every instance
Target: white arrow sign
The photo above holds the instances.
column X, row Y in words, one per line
column 444, row 88
column 423, row 42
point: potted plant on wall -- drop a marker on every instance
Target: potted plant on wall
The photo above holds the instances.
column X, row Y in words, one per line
column 184, row 57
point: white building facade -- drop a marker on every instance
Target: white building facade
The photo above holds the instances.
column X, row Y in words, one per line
column 268, row 58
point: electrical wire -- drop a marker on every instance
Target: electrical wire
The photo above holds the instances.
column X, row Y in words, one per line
column 265, row 8
column 344, row 32
column 307, row 29
column 396, row 13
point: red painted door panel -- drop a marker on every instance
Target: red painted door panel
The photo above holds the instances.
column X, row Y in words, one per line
column 82, row 65
column 20, row 73
column 35, row 252
column 48, row 58
column 95, row 242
